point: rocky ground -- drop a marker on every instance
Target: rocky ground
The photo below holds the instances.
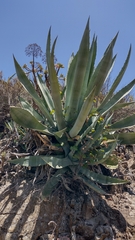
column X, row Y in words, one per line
column 77, row 215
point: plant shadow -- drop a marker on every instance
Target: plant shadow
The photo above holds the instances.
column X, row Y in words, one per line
column 23, row 213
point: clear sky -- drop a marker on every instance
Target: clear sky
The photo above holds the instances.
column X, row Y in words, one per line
column 23, row 22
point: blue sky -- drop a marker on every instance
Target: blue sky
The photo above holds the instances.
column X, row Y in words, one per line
column 23, row 22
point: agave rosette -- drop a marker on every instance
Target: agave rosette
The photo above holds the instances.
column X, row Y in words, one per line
column 82, row 127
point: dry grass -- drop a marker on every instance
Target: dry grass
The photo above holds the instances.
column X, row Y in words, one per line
column 9, row 92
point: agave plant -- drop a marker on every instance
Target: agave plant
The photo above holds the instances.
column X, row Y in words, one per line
column 76, row 119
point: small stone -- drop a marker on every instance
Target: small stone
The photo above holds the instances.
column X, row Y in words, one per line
column 133, row 166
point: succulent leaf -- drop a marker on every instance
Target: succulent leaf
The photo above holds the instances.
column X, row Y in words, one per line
column 84, row 111
column 101, row 72
column 58, row 162
column 60, row 133
column 91, row 61
column 126, row 138
column 124, row 123
column 46, row 94
column 29, row 108
column 27, row 120
column 117, row 80
column 122, row 105
column 29, row 161
column 77, row 85
column 116, row 98
column 111, row 162
column 69, row 81
column 91, row 185
column 89, row 69
column 100, row 178
column 54, row 84
column 31, row 90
